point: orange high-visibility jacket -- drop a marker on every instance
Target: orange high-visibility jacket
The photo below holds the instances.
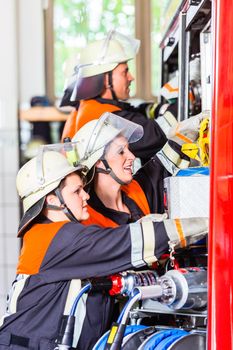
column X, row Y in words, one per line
column 134, row 191
column 87, row 111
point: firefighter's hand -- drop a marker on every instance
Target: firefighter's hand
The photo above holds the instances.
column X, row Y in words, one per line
column 187, row 131
column 176, row 233
column 166, row 120
column 150, row 110
column 153, row 217
column 172, row 157
column 184, row 232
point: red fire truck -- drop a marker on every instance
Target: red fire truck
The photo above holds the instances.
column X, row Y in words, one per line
column 204, row 27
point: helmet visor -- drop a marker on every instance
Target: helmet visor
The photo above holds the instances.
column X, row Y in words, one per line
column 130, row 130
column 86, row 88
column 129, row 48
column 69, row 149
column 68, row 90
column 104, row 130
column 100, row 57
column 52, row 164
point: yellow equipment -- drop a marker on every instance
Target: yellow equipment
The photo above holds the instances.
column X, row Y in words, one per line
column 200, row 149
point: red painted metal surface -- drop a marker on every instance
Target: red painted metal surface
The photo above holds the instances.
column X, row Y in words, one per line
column 220, row 306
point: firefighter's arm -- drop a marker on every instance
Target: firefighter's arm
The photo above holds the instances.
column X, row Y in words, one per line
column 185, row 132
column 184, row 232
column 179, row 233
column 116, row 249
column 164, row 115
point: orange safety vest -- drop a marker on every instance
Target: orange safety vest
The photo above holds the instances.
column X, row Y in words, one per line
column 134, row 191
column 87, row 111
column 40, row 235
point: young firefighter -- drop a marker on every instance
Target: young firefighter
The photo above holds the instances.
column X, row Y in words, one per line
column 117, row 196
column 102, row 84
column 57, row 250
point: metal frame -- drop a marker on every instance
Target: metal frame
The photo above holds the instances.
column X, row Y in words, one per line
column 183, row 60
column 220, row 245
column 220, row 305
column 205, row 50
column 49, row 52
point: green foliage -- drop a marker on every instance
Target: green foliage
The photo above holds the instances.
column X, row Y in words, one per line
column 155, row 41
column 78, row 21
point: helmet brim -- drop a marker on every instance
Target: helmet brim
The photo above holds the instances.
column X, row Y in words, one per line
column 66, row 98
column 86, row 88
column 30, row 215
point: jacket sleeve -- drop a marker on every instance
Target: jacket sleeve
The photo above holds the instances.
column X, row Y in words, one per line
column 153, row 138
column 151, row 176
column 79, row 251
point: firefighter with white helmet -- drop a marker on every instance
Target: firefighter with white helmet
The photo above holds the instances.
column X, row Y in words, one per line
column 81, row 154
column 101, row 83
column 58, row 251
column 97, row 58
column 118, row 195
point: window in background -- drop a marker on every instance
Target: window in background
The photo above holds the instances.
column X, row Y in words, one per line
column 156, row 37
column 77, row 22
column 73, row 23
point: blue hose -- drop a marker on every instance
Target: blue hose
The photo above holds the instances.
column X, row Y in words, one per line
column 84, row 290
column 135, row 292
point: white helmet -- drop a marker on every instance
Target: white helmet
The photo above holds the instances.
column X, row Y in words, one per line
column 39, row 176
column 92, row 138
column 43, row 173
column 98, row 58
column 104, row 55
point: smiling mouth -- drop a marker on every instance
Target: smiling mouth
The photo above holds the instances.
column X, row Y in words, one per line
column 129, row 169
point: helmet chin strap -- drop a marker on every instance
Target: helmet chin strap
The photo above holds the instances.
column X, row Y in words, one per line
column 111, row 173
column 63, row 207
column 110, row 85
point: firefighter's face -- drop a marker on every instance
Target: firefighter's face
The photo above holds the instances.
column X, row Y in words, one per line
column 121, row 80
column 120, row 158
column 75, row 197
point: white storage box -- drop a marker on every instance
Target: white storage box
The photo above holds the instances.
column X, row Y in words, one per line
column 187, row 196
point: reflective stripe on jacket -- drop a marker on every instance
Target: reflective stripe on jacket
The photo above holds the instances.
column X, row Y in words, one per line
column 54, row 253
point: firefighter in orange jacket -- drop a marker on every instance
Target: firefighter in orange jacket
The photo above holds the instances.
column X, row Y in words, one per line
column 102, row 84
column 117, row 196
column 57, row 250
